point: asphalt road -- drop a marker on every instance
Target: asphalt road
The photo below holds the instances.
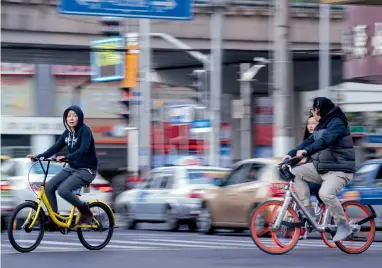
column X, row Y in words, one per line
column 153, row 247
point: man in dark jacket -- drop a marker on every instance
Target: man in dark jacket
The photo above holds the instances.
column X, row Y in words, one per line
column 332, row 161
column 82, row 168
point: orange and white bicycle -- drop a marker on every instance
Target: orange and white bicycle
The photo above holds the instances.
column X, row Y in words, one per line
column 285, row 219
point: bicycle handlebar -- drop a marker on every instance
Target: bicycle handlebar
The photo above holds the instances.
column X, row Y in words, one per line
column 286, row 166
column 291, row 162
column 53, row 159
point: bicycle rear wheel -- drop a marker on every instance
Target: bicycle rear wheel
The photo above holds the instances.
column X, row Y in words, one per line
column 18, row 227
column 361, row 240
column 104, row 216
column 263, row 217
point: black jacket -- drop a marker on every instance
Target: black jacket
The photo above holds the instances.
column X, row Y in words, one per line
column 330, row 147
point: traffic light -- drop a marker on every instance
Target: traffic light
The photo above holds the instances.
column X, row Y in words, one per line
column 126, row 99
column 111, row 26
column 200, row 85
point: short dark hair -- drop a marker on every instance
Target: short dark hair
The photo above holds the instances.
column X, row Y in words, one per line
column 324, row 105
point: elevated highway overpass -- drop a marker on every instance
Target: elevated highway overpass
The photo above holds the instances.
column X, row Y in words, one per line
column 248, row 29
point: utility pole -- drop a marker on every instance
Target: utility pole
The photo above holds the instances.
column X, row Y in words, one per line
column 283, row 139
column 145, row 90
column 247, row 75
column 216, row 75
column 325, row 58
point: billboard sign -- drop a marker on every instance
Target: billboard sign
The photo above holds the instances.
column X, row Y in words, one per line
column 107, row 59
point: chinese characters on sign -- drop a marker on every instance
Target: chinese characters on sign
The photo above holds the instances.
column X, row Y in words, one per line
column 356, row 41
column 377, row 39
column 360, row 41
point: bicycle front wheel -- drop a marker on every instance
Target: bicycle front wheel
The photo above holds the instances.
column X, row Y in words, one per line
column 101, row 236
column 23, row 237
column 263, row 217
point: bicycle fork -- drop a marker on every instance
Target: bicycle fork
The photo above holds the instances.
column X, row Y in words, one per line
column 284, row 208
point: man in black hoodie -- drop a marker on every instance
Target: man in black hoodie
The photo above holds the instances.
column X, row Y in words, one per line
column 82, row 159
column 332, row 161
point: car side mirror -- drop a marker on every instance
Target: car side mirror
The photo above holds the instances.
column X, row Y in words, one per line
column 219, row 182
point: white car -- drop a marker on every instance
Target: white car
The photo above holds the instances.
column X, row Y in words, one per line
column 6, row 201
column 16, row 170
column 169, row 194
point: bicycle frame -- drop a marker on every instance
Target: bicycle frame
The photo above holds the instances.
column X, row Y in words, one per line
column 61, row 221
column 291, row 196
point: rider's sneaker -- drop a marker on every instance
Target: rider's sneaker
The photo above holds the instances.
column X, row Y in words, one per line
column 343, row 231
column 86, row 214
column 303, row 233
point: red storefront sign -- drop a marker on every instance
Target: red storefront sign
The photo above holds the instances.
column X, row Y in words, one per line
column 362, row 43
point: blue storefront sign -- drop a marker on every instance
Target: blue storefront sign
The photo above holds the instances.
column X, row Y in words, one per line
column 374, row 139
column 144, row 9
column 201, row 123
column 107, row 63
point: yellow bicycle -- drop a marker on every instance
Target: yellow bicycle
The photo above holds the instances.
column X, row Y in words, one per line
column 33, row 220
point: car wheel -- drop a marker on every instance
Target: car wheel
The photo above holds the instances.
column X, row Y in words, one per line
column 192, row 226
column 129, row 218
column 3, row 224
column 171, row 220
column 204, row 221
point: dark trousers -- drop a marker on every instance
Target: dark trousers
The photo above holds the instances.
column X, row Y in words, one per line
column 65, row 182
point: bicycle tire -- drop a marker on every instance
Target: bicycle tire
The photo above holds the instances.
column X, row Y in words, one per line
column 10, row 227
column 110, row 217
column 366, row 209
column 326, row 240
column 255, row 238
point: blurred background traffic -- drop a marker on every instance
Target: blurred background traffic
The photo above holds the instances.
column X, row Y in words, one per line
column 179, row 140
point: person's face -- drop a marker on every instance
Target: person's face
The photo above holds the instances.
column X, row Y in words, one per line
column 314, row 112
column 72, row 119
column 312, row 123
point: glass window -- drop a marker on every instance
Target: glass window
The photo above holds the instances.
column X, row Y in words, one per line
column 152, row 180
column 360, row 177
column 164, row 181
column 156, row 181
column 378, row 179
column 239, row 175
column 254, row 173
column 147, row 180
column 205, row 176
column 17, row 89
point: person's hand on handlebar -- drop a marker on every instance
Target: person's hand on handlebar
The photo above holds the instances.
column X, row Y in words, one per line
column 301, row 154
column 60, row 158
column 32, row 157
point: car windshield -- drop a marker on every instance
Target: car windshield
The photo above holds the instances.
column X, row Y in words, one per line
column 205, row 176
column 53, row 168
column 361, row 174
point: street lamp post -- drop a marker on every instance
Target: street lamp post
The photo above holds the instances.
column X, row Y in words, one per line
column 246, row 128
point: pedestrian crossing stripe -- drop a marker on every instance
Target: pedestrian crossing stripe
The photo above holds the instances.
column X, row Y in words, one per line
column 148, row 242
